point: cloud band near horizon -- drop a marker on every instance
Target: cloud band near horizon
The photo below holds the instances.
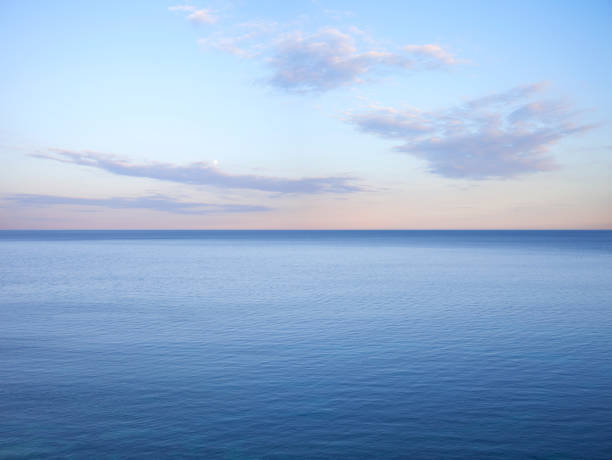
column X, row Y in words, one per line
column 203, row 174
column 156, row 202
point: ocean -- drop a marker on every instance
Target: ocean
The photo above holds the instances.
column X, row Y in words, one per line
column 306, row 344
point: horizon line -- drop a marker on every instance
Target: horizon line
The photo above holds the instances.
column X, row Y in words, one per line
column 299, row 229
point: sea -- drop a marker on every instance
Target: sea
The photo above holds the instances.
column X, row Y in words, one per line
column 306, row 344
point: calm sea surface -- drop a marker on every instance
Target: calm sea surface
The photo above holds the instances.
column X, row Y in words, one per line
column 416, row 344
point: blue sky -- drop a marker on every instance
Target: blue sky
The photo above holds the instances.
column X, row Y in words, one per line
column 311, row 114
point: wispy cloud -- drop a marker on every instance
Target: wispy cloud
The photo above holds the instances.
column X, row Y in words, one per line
column 247, row 40
column 324, row 60
column 184, row 8
column 498, row 136
column 432, row 55
column 203, row 174
column 194, row 14
column 151, row 202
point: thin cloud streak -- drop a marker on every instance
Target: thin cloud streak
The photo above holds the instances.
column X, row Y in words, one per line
column 195, row 15
column 434, row 55
column 498, row 136
column 201, row 173
column 152, row 202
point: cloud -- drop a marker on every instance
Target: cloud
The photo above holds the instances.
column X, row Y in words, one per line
column 247, row 40
column 203, row 174
column 498, row 136
column 182, row 8
column 195, row 15
column 331, row 58
column 202, row 17
column 506, row 98
column 432, row 54
column 324, row 60
column 152, row 202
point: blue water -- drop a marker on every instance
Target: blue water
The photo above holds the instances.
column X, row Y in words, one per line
column 306, row 344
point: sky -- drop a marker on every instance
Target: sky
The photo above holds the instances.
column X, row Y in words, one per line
column 306, row 114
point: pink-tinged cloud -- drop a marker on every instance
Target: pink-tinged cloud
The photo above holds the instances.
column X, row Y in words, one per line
column 194, row 14
column 433, row 54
